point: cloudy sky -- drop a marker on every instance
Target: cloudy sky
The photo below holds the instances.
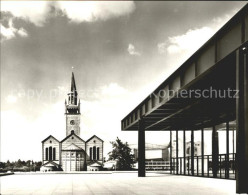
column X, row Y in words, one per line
column 120, row 52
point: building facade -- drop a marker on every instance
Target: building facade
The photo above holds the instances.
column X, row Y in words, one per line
column 72, row 153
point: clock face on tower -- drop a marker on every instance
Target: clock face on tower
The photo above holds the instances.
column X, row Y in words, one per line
column 72, row 122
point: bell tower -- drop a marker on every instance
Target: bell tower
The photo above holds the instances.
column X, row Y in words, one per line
column 72, row 110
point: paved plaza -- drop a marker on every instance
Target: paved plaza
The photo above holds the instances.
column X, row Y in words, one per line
column 113, row 183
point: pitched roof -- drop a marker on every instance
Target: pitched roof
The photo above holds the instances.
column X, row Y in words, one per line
column 50, row 136
column 50, row 162
column 72, row 133
column 95, row 164
column 93, row 137
column 73, row 147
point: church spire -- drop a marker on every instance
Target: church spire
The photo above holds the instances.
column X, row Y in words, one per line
column 72, row 95
column 72, row 110
column 73, row 83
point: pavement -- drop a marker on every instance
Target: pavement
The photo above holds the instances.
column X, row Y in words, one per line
column 113, row 183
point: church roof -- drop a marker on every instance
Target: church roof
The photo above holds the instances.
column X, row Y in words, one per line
column 50, row 163
column 93, row 137
column 50, row 136
column 73, row 147
column 95, row 164
column 73, row 83
column 72, row 133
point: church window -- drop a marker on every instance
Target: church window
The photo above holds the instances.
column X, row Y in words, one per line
column 90, row 153
column 98, row 153
column 72, row 137
column 50, row 153
column 50, row 141
column 54, row 153
column 94, row 141
column 46, row 153
column 94, row 153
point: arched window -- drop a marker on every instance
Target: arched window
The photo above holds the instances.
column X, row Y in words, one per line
column 90, row 153
column 98, row 153
column 54, row 153
column 46, row 153
column 94, row 153
column 50, row 153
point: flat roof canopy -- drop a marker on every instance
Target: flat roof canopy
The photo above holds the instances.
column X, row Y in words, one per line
column 201, row 93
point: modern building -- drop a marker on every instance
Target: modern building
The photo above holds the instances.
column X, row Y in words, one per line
column 210, row 93
column 72, row 153
column 154, row 152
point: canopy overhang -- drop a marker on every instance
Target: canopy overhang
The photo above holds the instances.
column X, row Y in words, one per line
column 212, row 68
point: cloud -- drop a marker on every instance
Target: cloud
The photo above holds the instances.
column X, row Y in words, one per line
column 132, row 51
column 218, row 22
column 188, row 42
column 80, row 11
column 7, row 33
column 113, row 89
column 11, row 32
column 22, row 32
column 37, row 12
column 32, row 11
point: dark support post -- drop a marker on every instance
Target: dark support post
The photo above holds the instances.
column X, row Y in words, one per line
column 170, row 152
column 233, row 143
column 202, row 150
column 227, row 149
column 177, row 152
column 141, row 149
column 215, row 151
column 242, row 121
column 184, row 153
column 192, row 152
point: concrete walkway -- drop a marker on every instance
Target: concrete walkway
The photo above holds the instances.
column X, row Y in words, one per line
column 116, row 183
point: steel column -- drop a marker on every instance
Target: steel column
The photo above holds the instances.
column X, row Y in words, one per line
column 215, row 151
column 202, row 150
column 141, row 149
column 227, row 149
column 177, row 152
column 170, row 152
column 184, row 153
column 192, row 152
column 242, row 121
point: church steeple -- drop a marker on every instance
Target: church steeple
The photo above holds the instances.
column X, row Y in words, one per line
column 73, row 105
column 72, row 110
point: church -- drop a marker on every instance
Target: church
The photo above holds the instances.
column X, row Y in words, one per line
column 72, row 153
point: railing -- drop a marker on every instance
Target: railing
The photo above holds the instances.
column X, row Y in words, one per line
column 158, row 165
column 225, row 166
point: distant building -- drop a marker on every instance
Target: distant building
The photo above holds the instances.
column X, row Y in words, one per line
column 197, row 148
column 153, row 154
column 72, row 153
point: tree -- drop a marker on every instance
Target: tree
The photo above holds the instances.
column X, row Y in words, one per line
column 122, row 154
column 18, row 163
